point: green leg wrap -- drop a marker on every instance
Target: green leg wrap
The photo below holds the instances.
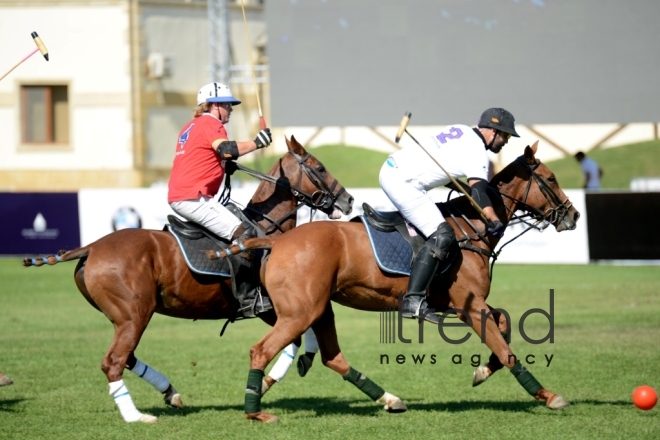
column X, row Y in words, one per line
column 525, row 378
column 364, row 384
column 253, row 391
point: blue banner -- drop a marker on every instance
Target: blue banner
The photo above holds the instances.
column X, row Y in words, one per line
column 38, row 223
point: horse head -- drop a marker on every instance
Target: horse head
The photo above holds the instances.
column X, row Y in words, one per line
column 315, row 186
column 531, row 186
column 297, row 179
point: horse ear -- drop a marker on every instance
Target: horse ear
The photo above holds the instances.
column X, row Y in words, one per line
column 530, row 152
column 288, row 143
column 296, row 147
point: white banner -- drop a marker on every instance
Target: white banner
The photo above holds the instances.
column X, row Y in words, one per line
column 548, row 246
column 104, row 210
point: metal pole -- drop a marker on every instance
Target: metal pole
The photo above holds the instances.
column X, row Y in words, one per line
column 220, row 60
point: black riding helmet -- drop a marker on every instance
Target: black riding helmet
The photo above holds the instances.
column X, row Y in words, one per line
column 499, row 119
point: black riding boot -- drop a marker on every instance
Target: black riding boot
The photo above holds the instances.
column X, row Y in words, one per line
column 251, row 301
column 426, row 263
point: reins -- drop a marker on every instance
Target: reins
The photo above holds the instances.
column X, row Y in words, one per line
column 552, row 215
column 324, row 198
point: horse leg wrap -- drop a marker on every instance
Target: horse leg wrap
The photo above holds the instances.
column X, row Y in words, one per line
column 364, row 384
column 253, row 391
column 124, row 402
column 156, row 379
column 525, row 378
column 284, row 362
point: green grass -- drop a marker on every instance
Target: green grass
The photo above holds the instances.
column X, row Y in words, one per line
column 357, row 167
column 620, row 165
column 607, row 327
column 354, row 167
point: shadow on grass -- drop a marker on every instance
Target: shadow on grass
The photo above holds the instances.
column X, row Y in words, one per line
column 8, row 405
column 321, row 406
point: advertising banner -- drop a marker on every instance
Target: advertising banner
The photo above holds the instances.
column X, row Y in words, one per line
column 548, row 246
column 38, row 223
column 103, row 211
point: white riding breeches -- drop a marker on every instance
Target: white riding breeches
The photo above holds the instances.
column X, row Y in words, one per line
column 210, row 213
column 411, row 199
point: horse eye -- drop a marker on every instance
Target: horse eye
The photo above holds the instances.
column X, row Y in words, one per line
column 321, row 169
column 552, row 179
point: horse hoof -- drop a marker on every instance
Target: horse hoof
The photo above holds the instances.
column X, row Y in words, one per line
column 148, row 418
column 264, row 386
column 392, row 403
column 176, row 401
column 262, row 417
column 481, row 374
column 172, row 398
column 557, row 402
column 4, row 381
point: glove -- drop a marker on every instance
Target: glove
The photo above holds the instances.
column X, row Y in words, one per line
column 496, row 229
column 263, row 139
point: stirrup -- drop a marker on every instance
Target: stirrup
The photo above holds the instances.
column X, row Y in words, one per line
column 428, row 313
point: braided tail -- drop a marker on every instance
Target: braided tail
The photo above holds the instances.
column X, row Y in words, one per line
column 60, row 257
column 246, row 245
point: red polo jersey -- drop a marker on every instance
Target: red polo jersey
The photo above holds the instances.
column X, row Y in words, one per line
column 197, row 169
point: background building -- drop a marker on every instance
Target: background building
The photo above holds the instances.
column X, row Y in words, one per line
column 121, row 81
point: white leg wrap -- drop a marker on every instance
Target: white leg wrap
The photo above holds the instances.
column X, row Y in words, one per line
column 124, row 402
column 150, row 375
column 284, row 362
column 311, row 344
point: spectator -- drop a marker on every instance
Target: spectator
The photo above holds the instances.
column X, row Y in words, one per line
column 592, row 172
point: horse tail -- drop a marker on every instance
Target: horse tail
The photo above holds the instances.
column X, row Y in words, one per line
column 246, row 245
column 60, row 257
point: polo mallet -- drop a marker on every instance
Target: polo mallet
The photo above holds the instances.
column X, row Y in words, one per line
column 403, row 128
column 40, row 47
column 262, row 121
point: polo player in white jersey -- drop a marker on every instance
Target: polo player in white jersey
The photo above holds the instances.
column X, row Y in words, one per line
column 409, row 173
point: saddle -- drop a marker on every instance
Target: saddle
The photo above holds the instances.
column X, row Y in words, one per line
column 395, row 243
column 194, row 242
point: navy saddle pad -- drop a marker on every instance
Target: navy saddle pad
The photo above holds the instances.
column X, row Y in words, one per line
column 194, row 252
column 392, row 252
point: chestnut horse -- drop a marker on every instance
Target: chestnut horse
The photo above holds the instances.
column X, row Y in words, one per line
column 133, row 273
column 323, row 261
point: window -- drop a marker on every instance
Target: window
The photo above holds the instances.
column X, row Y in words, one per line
column 45, row 114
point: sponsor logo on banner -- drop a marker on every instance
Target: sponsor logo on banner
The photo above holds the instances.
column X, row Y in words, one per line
column 126, row 217
column 40, row 230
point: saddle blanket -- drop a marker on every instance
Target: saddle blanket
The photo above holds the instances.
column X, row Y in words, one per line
column 392, row 252
column 194, row 252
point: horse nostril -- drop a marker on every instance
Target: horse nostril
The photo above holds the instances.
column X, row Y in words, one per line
column 576, row 216
column 350, row 201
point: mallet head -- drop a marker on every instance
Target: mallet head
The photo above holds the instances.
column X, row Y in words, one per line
column 402, row 126
column 40, row 44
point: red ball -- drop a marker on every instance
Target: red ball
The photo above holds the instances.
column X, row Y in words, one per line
column 644, row 397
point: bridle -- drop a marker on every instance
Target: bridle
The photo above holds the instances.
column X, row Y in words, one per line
column 555, row 214
column 323, row 198
column 558, row 209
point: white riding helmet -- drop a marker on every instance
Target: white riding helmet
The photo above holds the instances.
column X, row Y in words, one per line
column 216, row 92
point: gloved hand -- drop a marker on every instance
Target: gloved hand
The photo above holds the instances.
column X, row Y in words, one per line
column 496, row 229
column 263, row 139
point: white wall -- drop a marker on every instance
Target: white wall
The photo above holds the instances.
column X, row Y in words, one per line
column 88, row 47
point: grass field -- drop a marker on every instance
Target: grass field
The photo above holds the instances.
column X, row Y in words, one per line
column 607, row 328
column 358, row 168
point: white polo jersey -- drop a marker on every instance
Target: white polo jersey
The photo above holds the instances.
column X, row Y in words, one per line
column 457, row 148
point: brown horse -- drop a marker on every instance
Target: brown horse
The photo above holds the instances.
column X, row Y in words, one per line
column 323, row 261
column 133, row 273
